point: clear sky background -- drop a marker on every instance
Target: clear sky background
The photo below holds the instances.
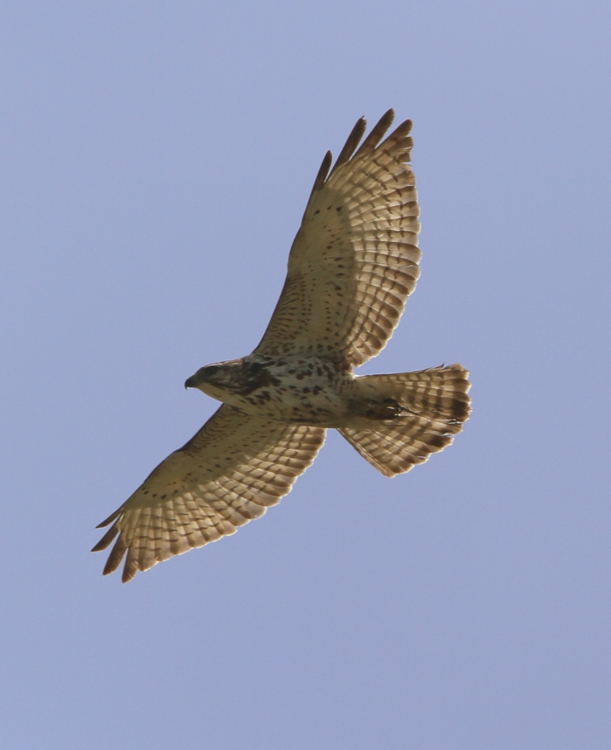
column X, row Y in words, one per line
column 156, row 159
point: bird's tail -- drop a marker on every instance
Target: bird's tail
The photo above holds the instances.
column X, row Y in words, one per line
column 433, row 408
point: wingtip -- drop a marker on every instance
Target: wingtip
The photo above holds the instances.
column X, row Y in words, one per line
column 350, row 147
column 129, row 569
column 403, row 130
column 351, row 144
column 106, row 539
column 110, row 518
column 377, row 132
column 322, row 172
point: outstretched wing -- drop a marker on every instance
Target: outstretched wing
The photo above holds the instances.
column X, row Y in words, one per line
column 355, row 258
column 227, row 474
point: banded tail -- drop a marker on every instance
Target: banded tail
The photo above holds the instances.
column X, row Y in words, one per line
column 434, row 406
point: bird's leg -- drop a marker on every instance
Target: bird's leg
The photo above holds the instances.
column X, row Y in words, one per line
column 382, row 410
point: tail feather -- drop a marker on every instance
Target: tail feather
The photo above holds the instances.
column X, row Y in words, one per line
column 435, row 406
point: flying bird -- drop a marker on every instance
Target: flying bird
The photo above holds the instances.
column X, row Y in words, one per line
column 351, row 268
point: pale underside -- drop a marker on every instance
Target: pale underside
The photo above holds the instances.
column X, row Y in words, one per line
column 352, row 265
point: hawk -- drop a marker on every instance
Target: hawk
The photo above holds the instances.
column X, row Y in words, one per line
column 351, row 268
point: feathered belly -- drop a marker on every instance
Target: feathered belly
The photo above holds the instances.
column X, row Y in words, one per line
column 305, row 402
column 305, row 391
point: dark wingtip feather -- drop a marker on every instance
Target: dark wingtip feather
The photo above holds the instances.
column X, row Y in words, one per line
column 405, row 128
column 401, row 131
column 351, row 143
column 115, row 557
column 321, row 176
column 130, row 568
column 377, row 132
column 368, row 145
column 110, row 518
column 106, row 539
column 323, row 171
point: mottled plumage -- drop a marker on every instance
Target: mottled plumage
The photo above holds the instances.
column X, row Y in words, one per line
column 351, row 268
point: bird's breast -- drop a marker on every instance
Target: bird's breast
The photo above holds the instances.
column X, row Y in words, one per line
column 301, row 390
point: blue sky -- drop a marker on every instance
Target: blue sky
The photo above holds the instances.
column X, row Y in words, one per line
column 156, row 160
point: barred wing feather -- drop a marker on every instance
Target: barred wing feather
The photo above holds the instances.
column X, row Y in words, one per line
column 229, row 473
column 355, row 258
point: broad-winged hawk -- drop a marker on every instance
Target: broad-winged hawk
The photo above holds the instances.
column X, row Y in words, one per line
column 351, row 268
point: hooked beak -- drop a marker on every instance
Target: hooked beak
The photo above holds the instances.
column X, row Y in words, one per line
column 191, row 382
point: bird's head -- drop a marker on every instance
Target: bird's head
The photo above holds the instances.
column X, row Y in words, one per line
column 218, row 379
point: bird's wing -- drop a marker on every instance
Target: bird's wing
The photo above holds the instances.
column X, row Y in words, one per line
column 227, row 474
column 355, row 258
